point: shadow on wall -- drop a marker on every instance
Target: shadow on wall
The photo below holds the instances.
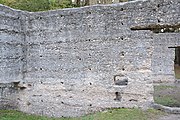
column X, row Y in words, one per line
column 177, row 62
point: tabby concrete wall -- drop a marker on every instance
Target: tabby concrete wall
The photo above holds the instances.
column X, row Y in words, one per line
column 76, row 55
column 164, row 56
column 80, row 60
column 11, row 42
column 11, row 55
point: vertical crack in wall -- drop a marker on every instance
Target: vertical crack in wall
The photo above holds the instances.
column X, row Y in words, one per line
column 24, row 46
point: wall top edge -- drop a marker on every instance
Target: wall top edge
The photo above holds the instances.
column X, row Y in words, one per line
column 11, row 9
column 79, row 8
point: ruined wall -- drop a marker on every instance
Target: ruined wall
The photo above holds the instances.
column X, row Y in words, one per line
column 81, row 60
column 11, row 55
column 11, row 40
column 8, row 96
column 168, row 36
column 164, row 56
column 76, row 56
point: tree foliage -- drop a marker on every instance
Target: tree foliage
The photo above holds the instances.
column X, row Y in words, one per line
column 43, row 5
column 37, row 5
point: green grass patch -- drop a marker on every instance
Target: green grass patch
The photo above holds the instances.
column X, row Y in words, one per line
column 166, row 100
column 152, row 114
column 167, row 95
column 113, row 114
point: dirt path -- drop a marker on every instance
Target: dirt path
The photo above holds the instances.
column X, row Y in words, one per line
column 170, row 117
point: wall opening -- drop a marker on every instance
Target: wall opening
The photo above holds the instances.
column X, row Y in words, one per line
column 177, row 62
column 168, row 94
column 120, row 80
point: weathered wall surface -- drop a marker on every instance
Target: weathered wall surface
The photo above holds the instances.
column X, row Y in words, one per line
column 87, row 59
column 11, row 40
column 164, row 56
column 75, row 55
column 11, row 55
column 8, row 96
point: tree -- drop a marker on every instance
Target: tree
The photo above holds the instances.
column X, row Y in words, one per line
column 37, row 5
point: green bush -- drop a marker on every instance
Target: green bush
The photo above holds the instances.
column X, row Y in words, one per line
column 55, row 4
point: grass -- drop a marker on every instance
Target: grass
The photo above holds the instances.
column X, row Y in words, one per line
column 153, row 114
column 177, row 71
column 166, row 100
column 167, row 95
column 113, row 114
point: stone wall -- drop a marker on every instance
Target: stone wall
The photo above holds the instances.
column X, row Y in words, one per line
column 11, row 55
column 11, row 41
column 76, row 61
column 164, row 56
column 8, row 96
